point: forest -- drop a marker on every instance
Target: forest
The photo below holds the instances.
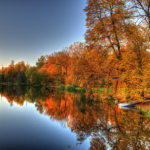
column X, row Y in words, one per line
column 115, row 55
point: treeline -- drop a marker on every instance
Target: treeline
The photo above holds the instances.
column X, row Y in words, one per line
column 22, row 74
column 116, row 53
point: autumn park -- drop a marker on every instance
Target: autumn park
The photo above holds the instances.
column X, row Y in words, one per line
column 115, row 56
column 95, row 93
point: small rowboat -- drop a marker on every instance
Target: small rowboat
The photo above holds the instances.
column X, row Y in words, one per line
column 125, row 105
column 122, row 105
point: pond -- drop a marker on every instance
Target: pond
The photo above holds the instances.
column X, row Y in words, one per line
column 49, row 120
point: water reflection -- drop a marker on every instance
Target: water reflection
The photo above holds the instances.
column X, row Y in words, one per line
column 83, row 123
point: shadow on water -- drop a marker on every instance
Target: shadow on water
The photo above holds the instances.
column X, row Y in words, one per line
column 99, row 123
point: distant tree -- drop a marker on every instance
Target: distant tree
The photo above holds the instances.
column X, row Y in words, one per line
column 21, row 78
column 41, row 61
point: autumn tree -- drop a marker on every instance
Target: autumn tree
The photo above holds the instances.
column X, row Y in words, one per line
column 136, row 58
column 87, row 66
column 106, row 22
column 75, row 51
column 62, row 62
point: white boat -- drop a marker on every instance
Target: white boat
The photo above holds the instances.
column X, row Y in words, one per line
column 122, row 105
column 125, row 105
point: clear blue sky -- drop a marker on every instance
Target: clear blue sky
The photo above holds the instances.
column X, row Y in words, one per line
column 31, row 28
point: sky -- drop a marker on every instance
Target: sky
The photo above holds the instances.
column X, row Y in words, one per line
column 31, row 28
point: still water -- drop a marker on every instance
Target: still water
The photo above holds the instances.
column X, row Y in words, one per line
column 35, row 119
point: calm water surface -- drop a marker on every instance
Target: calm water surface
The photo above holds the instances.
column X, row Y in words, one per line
column 34, row 119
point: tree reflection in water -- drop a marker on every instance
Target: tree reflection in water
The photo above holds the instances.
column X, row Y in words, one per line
column 107, row 126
